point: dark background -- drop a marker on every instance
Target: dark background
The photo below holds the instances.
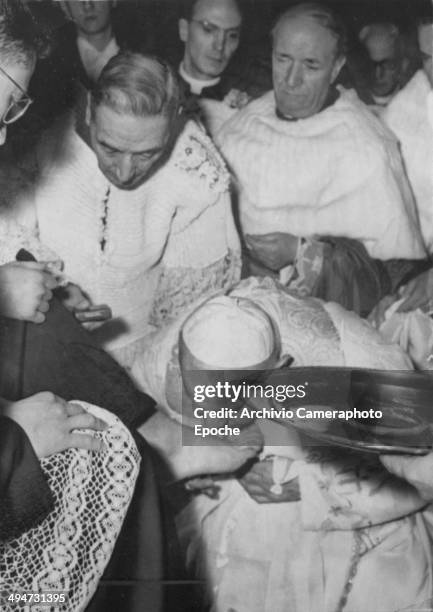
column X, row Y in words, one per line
column 153, row 23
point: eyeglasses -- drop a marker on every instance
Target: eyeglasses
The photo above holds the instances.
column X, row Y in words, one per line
column 16, row 108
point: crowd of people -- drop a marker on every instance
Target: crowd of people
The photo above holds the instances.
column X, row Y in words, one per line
column 164, row 214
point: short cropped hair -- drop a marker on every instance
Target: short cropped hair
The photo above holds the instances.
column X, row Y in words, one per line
column 139, row 85
column 22, row 38
column 323, row 14
column 187, row 8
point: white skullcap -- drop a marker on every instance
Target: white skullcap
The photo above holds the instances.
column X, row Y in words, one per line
column 229, row 332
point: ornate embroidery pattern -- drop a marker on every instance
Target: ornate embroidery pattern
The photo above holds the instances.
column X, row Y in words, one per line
column 202, row 159
column 307, row 332
column 69, row 550
column 180, row 287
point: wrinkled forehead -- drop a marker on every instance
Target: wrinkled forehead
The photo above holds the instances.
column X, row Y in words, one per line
column 425, row 38
column 223, row 13
column 127, row 132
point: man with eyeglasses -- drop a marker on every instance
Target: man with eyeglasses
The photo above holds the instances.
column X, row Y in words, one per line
column 410, row 117
column 36, row 426
column 388, row 64
column 211, row 34
column 25, row 287
column 19, row 101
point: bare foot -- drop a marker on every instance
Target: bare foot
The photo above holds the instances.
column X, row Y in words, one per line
column 219, row 455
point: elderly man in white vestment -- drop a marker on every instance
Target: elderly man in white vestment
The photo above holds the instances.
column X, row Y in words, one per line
column 137, row 207
column 410, row 116
column 311, row 162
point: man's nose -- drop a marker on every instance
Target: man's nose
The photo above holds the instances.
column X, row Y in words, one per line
column 379, row 72
column 3, row 133
column 294, row 75
column 219, row 41
column 124, row 169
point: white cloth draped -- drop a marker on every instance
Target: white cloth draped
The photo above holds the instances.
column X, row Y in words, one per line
column 410, row 116
column 337, row 173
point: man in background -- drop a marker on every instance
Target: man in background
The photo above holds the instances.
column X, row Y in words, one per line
column 211, row 34
column 388, row 65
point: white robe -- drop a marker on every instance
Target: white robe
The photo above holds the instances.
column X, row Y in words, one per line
column 338, row 173
column 167, row 242
column 410, row 116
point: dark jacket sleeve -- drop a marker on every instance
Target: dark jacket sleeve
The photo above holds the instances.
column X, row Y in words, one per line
column 25, row 497
column 62, row 357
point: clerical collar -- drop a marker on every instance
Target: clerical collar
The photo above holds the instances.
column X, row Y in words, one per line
column 331, row 98
column 197, row 85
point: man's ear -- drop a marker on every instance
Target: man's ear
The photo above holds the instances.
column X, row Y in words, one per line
column 339, row 63
column 183, row 30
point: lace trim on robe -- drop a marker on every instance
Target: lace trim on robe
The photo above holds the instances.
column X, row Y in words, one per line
column 180, row 287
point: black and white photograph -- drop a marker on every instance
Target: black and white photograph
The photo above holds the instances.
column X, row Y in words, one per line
column 216, row 306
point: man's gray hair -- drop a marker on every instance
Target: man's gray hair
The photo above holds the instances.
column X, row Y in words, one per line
column 139, row 85
column 323, row 14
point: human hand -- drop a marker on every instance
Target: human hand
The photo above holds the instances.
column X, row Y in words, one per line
column 258, row 482
column 205, row 485
column 50, row 424
column 418, row 293
column 74, row 299
column 417, row 471
column 26, row 290
column 91, row 316
column 275, row 250
column 221, row 455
